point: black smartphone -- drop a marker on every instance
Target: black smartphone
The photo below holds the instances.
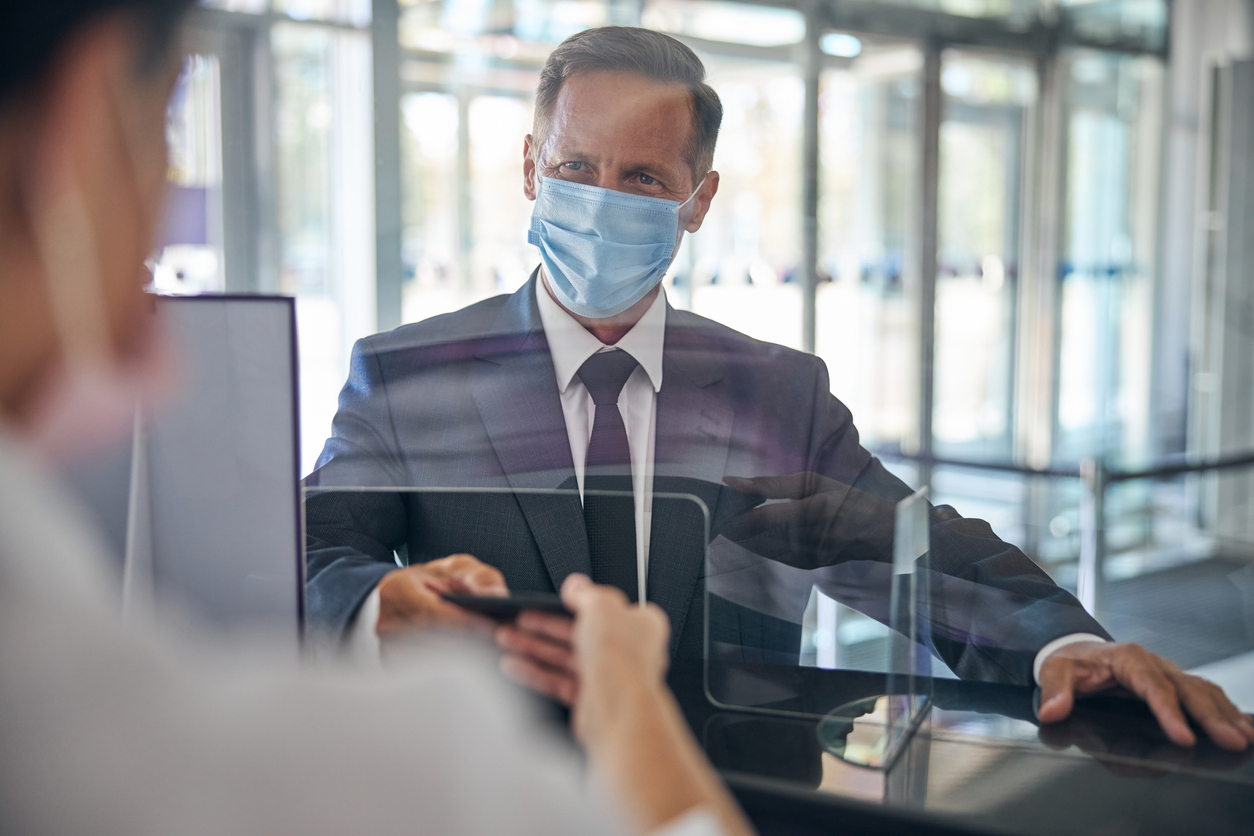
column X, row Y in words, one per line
column 508, row 608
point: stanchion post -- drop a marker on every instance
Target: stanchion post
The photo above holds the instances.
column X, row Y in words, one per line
column 1094, row 477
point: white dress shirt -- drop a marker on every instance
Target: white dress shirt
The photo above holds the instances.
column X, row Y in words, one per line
column 570, row 344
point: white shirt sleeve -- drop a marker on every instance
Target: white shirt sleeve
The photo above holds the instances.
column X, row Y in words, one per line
column 1056, row 645
column 363, row 637
column 696, row 822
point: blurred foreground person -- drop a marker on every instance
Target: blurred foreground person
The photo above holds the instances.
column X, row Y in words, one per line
column 103, row 731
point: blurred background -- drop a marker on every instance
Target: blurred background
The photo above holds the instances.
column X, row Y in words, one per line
column 1015, row 230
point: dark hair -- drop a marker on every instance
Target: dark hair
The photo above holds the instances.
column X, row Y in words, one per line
column 655, row 56
column 32, row 31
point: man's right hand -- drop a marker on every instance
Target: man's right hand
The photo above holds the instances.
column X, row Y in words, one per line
column 409, row 598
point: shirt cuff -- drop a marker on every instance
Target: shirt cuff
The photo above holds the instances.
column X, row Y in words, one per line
column 696, row 822
column 363, row 638
column 1059, row 644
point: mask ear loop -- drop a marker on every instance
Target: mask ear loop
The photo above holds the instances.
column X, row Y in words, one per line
column 681, row 220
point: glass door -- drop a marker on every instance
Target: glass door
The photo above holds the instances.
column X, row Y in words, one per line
column 987, row 102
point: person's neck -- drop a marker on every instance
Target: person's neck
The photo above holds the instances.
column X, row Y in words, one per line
column 610, row 329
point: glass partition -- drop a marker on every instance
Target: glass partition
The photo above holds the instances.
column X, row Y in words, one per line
column 535, row 536
column 767, row 554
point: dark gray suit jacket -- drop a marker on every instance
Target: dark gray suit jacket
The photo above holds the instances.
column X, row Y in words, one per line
column 470, row 400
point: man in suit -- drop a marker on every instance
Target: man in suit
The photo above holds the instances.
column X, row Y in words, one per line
column 587, row 381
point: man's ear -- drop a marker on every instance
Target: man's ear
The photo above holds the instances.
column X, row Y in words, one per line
column 701, row 202
column 529, row 168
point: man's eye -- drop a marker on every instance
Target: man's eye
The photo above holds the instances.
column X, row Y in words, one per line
column 646, row 180
column 574, row 166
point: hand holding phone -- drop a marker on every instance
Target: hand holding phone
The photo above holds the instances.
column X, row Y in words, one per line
column 508, row 607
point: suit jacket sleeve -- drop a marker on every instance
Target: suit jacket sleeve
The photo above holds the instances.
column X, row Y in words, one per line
column 352, row 536
column 992, row 608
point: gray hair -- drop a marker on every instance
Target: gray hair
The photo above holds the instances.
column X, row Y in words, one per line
column 655, row 56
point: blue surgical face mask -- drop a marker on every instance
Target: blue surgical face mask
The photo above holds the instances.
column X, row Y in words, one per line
column 604, row 250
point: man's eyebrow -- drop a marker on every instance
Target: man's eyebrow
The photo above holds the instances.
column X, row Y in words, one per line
column 669, row 175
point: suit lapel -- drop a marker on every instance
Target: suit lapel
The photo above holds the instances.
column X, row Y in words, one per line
column 515, row 390
column 693, row 434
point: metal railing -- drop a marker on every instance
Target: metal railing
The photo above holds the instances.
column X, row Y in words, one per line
column 1096, row 476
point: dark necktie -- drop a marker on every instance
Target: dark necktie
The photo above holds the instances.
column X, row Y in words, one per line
column 609, row 520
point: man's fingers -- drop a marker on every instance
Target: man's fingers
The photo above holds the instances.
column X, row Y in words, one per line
column 423, row 607
column 1057, row 689
column 792, row 486
column 533, row 675
column 579, row 593
column 1151, row 685
column 1213, row 712
column 1246, row 723
column 758, row 520
column 558, row 628
column 466, row 574
column 522, row 643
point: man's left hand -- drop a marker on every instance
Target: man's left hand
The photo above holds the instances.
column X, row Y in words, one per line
column 1089, row 667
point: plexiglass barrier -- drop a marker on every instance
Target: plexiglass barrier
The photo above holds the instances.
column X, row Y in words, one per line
column 536, row 537
column 753, row 653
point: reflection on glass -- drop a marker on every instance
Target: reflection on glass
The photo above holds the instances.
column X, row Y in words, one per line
column 862, row 741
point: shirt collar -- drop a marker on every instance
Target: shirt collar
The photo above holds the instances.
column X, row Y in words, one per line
column 571, row 344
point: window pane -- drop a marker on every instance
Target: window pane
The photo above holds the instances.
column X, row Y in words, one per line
column 190, row 258
column 430, row 249
column 504, row 28
column 502, row 259
column 712, row 20
column 248, row 6
column 866, row 327
column 1114, row 114
column 741, row 268
column 355, row 12
column 986, row 106
column 324, row 167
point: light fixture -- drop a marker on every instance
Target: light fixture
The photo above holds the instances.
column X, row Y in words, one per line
column 840, row 44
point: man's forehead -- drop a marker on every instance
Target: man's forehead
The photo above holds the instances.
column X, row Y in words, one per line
column 624, row 104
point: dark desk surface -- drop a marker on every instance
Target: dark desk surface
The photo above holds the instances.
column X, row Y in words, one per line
column 978, row 764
